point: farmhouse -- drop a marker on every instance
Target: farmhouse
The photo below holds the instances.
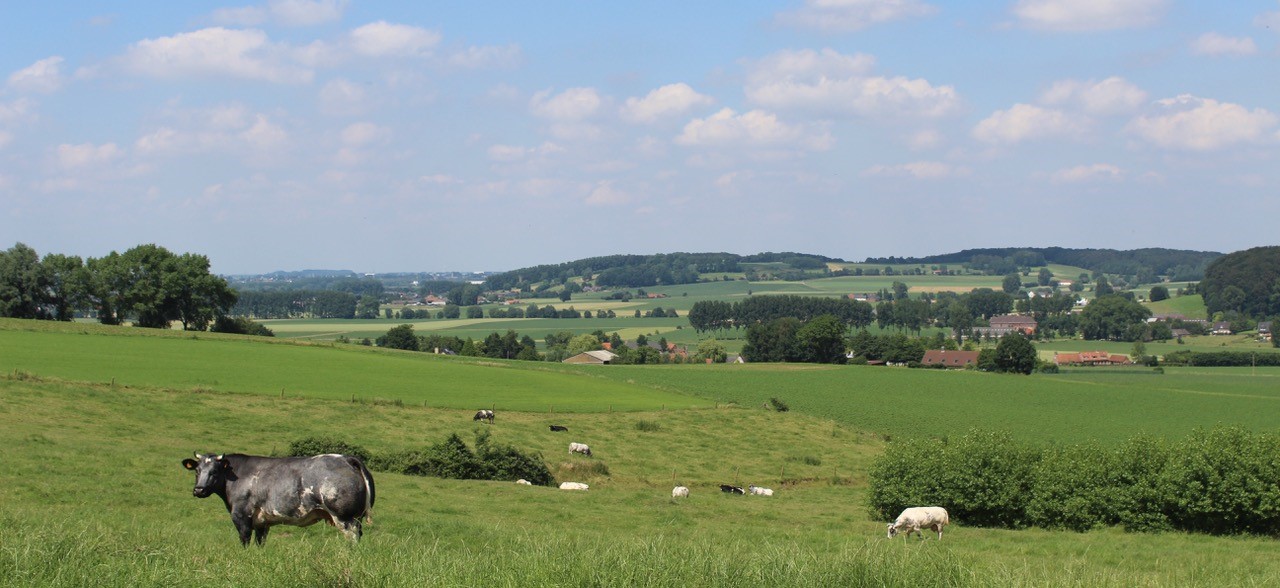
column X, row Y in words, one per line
column 950, row 359
column 1166, row 317
column 1221, row 328
column 597, row 357
column 1264, row 330
column 1180, row 333
column 1090, row 358
column 1024, row 324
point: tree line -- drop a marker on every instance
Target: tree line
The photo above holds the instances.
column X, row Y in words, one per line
column 148, row 285
column 1178, row 265
column 640, row 271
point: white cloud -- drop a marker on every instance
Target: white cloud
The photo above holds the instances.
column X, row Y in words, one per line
column 574, row 104
column 214, row 51
column 753, row 128
column 1203, row 124
column 839, row 16
column 1089, row 15
column 384, row 39
column 1113, row 95
column 512, row 153
column 920, row 170
column 86, row 154
column 831, row 83
column 264, row 134
column 925, row 139
column 1026, row 122
column 487, row 56
column 342, row 97
column 1087, row 173
column 1214, row 44
column 605, row 194
column 226, row 128
column 364, row 133
column 5, row 139
column 669, row 100
column 42, row 76
column 17, row 111
column 1268, row 20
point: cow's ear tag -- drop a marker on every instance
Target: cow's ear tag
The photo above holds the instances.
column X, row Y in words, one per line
column 189, row 464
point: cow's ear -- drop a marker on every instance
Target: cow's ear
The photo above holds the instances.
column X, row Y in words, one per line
column 189, row 463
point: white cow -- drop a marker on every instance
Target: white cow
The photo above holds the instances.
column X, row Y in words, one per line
column 573, row 486
column 680, row 492
column 580, row 448
column 758, row 491
column 912, row 520
column 524, row 482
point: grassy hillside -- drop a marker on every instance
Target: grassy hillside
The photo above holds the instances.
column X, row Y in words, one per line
column 93, row 494
column 342, row 372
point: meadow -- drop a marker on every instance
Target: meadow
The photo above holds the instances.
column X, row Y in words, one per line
column 93, row 493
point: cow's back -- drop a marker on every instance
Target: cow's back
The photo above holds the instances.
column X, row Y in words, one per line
column 298, row 485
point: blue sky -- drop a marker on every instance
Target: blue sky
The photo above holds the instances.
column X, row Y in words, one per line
column 393, row 136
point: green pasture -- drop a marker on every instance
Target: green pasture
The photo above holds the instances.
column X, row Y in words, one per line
column 1245, row 342
column 93, row 494
column 1077, row 405
column 209, row 362
column 1191, row 306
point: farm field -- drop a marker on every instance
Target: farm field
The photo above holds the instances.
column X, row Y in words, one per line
column 72, row 449
column 263, row 366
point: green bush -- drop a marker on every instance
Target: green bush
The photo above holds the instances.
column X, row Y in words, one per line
column 1224, row 481
column 1220, row 481
column 647, row 426
column 452, row 458
column 320, row 445
column 1075, row 488
column 778, row 405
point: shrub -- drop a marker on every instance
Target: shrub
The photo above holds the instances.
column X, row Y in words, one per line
column 452, row 458
column 1224, row 481
column 778, row 405
column 319, row 445
column 1075, row 488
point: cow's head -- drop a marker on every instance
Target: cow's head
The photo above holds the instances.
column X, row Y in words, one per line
column 211, row 473
column 893, row 530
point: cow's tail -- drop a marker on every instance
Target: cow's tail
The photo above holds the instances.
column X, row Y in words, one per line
column 369, row 493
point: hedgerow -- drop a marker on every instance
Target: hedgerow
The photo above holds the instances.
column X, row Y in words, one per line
column 1220, row 481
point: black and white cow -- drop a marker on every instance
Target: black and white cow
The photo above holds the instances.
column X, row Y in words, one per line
column 555, row 428
column 263, row 491
column 483, row 415
column 732, row 489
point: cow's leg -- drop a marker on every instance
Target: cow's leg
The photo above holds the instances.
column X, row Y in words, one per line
column 351, row 528
column 244, row 526
column 260, row 534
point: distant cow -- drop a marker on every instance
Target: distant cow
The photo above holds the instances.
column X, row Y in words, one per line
column 758, row 491
column 524, row 482
column 912, row 520
column 732, row 489
column 483, row 415
column 573, row 486
column 680, row 492
column 559, row 428
column 263, row 491
column 580, row 448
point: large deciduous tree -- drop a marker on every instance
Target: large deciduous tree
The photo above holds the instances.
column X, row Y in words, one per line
column 1015, row 354
column 24, row 283
column 1112, row 317
column 821, row 340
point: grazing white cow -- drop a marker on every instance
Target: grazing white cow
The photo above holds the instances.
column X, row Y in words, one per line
column 524, row 482
column 912, row 520
column 580, row 448
column 573, row 486
column 758, row 491
column 680, row 492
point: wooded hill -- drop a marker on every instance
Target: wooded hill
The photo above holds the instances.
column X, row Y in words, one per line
column 638, row 271
column 1179, row 265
